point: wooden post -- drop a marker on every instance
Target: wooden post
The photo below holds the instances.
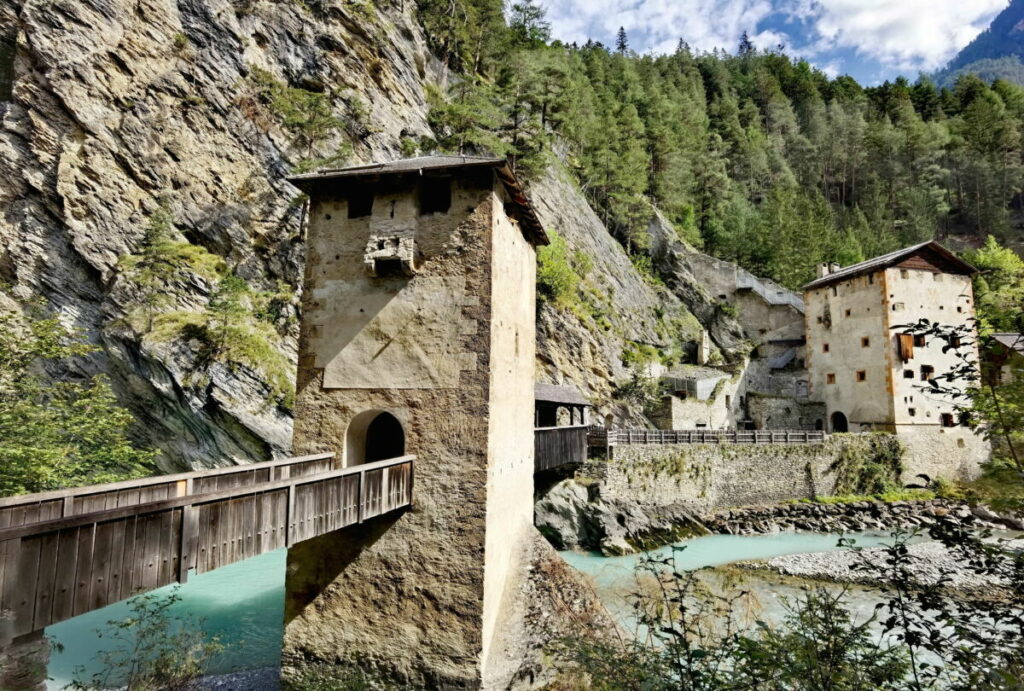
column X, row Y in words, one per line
column 67, row 506
column 362, row 497
column 189, row 541
column 290, row 513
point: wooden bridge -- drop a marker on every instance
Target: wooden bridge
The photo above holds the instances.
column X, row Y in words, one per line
column 71, row 551
column 558, row 446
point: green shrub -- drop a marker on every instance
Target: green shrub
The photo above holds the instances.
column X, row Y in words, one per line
column 557, row 279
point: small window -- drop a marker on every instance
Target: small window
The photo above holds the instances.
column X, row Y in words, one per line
column 830, row 378
column 959, row 309
column 904, row 273
column 908, row 374
column 826, row 348
column 948, row 420
column 871, row 279
column 819, row 320
column 835, row 290
column 862, row 375
column 954, row 341
column 937, row 277
column 865, row 342
column 728, row 401
column 435, row 195
column 927, row 372
column 965, row 418
column 912, row 412
column 919, row 340
column 897, row 307
column 360, row 202
column 849, row 312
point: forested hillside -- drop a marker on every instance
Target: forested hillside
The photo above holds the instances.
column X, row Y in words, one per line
column 754, row 156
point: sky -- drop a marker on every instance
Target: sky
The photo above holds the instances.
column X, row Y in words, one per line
column 871, row 40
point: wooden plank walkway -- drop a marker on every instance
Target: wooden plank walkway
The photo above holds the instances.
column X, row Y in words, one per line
column 604, row 437
column 68, row 552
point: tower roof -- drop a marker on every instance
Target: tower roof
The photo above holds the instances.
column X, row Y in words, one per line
column 524, row 211
column 941, row 260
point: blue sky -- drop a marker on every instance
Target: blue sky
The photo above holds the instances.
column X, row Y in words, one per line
column 871, row 40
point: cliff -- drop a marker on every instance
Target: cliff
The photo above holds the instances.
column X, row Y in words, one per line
column 120, row 109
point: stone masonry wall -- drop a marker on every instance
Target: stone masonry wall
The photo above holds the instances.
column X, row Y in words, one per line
column 707, row 477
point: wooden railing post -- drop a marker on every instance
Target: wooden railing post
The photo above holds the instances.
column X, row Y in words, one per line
column 289, row 526
column 189, row 541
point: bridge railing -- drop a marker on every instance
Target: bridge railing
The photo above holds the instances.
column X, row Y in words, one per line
column 59, row 567
column 557, row 446
column 31, row 508
column 604, row 437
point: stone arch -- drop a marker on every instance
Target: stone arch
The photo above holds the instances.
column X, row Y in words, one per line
column 839, row 423
column 373, row 435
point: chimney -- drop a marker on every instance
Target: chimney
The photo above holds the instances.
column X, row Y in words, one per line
column 822, row 270
column 833, row 267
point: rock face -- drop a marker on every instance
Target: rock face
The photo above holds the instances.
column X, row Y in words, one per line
column 119, row 106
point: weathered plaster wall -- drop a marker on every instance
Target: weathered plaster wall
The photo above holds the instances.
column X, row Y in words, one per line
column 401, row 594
column 509, row 520
column 948, row 452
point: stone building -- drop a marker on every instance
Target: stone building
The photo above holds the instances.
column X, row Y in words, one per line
column 871, row 373
column 418, row 337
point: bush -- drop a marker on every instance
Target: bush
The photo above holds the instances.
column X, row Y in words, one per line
column 558, row 281
column 154, row 649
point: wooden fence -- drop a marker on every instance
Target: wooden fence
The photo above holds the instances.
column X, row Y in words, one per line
column 557, row 446
column 603, row 437
column 59, row 559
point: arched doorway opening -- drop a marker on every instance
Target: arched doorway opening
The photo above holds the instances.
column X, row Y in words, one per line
column 373, row 435
column 819, row 425
column 839, row 423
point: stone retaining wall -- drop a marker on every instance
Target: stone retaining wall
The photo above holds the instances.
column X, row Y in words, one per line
column 707, row 477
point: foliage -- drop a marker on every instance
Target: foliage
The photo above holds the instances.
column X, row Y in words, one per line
column 757, row 157
column 238, row 325
column 998, row 288
column 308, row 115
column 986, row 395
column 870, row 465
column 558, row 278
column 693, row 636
column 58, row 434
column 154, row 648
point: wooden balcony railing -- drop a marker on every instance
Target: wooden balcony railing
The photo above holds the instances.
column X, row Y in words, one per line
column 603, row 437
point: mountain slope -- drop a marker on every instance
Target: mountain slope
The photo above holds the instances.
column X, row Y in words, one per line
column 995, row 53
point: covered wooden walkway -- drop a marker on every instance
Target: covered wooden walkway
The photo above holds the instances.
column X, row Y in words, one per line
column 71, row 551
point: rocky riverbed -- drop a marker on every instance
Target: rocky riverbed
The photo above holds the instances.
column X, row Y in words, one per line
column 572, row 515
column 926, row 564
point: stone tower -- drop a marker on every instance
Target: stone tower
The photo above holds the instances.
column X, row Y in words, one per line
column 418, row 337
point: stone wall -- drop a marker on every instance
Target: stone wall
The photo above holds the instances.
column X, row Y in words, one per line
column 781, row 412
column 708, row 477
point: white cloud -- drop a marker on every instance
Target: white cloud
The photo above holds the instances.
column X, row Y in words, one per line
column 659, row 24
column 903, row 34
column 906, row 35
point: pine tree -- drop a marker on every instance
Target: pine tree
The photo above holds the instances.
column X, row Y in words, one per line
column 621, row 41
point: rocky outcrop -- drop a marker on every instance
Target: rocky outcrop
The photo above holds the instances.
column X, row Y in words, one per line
column 571, row 515
column 120, row 106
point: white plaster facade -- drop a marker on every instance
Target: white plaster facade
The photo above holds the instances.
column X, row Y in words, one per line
column 859, row 370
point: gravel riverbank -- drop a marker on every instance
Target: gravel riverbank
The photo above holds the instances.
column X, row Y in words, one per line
column 928, row 562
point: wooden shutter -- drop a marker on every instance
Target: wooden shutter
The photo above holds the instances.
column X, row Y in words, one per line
column 906, row 346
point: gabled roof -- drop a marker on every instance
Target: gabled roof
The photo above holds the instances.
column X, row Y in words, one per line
column 549, row 393
column 891, row 259
column 526, row 215
column 1010, row 341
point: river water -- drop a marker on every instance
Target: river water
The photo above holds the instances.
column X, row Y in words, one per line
column 243, row 603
